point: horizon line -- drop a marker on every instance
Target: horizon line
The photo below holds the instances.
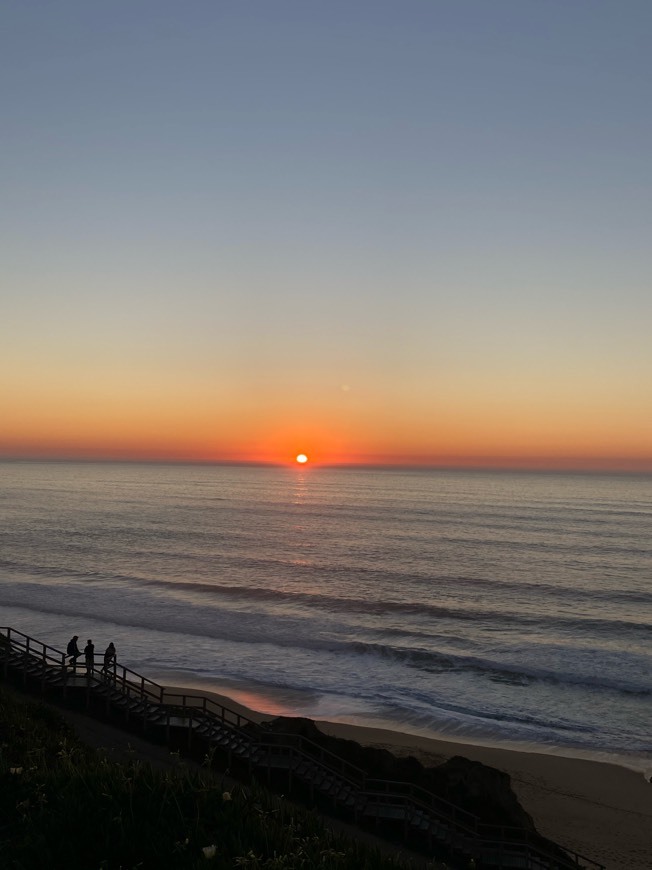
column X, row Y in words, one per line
column 540, row 465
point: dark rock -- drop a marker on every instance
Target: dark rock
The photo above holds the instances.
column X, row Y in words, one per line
column 484, row 791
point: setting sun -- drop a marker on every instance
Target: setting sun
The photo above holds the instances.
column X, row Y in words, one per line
column 302, row 458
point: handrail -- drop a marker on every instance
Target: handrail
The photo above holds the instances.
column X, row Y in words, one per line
column 44, row 646
column 425, row 797
column 120, row 672
column 205, row 705
column 324, row 756
column 115, row 668
column 407, row 792
column 483, row 833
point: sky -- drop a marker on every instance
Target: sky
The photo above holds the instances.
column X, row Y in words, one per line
column 376, row 232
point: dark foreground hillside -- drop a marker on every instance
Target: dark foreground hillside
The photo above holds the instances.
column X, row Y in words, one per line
column 64, row 805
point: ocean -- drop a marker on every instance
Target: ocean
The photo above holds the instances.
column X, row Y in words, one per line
column 498, row 608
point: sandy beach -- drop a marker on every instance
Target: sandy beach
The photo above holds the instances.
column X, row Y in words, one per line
column 600, row 810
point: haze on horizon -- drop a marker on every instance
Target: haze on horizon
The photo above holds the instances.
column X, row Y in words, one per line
column 376, row 233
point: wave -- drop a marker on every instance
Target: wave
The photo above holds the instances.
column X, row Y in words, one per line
column 53, row 572
column 350, row 572
column 499, row 616
column 418, row 608
column 284, row 635
column 437, row 662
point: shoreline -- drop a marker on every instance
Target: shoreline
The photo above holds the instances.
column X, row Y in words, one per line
column 599, row 809
column 257, row 701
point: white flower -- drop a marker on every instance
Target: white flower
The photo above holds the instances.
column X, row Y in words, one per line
column 226, row 795
column 210, row 851
column 17, row 770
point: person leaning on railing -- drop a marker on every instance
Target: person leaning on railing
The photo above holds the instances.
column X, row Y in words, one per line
column 73, row 650
column 109, row 658
column 89, row 655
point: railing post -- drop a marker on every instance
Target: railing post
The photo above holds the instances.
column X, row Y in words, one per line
column 64, row 674
column 25, row 659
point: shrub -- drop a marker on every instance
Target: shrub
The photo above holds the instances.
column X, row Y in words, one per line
column 63, row 805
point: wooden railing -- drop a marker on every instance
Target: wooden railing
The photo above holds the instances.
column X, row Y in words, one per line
column 429, row 801
column 202, row 704
column 465, row 827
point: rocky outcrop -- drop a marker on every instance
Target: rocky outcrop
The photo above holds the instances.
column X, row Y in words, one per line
column 482, row 790
column 477, row 788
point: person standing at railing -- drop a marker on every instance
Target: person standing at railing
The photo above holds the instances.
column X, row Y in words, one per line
column 89, row 654
column 73, row 650
column 109, row 658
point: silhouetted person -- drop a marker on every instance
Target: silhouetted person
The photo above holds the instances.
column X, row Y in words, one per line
column 73, row 650
column 89, row 654
column 109, row 658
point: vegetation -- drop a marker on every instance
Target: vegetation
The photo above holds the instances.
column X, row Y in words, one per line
column 64, row 805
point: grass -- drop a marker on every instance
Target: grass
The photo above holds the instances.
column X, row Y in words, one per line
column 65, row 805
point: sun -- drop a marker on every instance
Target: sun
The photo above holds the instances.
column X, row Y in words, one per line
column 302, row 458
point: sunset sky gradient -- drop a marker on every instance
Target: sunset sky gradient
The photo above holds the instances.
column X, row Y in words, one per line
column 374, row 232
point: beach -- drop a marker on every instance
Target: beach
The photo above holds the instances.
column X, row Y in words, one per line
column 597, row 809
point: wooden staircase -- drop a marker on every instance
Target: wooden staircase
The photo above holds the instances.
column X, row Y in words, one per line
column 289, row 762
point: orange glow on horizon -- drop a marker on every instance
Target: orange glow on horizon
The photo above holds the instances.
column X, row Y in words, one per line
column 458, row 431
column 166, row 452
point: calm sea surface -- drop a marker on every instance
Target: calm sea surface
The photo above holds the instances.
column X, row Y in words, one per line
column 492, row 607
